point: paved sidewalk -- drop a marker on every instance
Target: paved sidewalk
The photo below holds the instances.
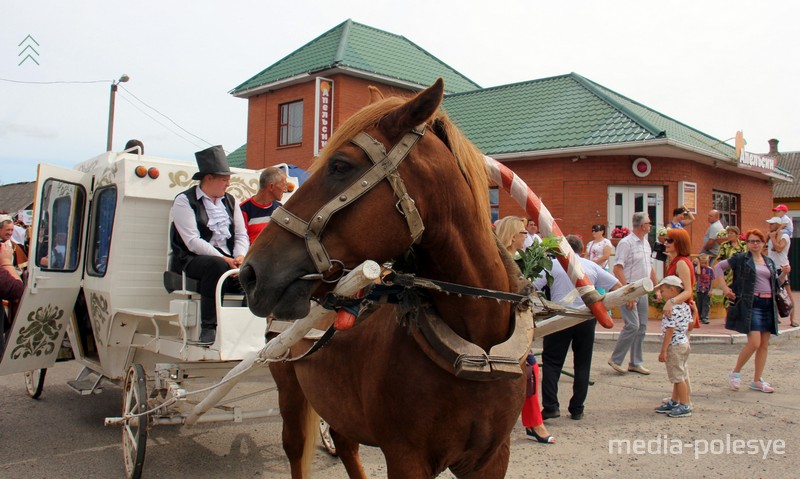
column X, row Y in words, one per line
column 713, row 333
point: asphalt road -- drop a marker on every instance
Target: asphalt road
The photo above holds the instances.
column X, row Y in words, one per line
column 62, row 434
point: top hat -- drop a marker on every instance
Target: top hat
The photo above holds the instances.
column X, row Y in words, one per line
column 211, row 161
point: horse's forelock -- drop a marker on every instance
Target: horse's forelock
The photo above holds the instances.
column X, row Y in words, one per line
column 469, row 158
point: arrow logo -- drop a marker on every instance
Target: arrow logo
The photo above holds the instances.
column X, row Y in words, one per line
column 28, row 41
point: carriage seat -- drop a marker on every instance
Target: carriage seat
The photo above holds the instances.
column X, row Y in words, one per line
column 180, row 283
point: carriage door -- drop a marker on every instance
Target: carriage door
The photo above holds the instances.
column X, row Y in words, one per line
column 624, row 201
column 55, row 270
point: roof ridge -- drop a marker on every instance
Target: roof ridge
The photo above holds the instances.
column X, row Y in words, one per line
column 288, row 55
column 640, row 104
column 343, row 39
column 594, row 88
column 507, row 85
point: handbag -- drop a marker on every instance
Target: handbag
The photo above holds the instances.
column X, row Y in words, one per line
column 784, row 302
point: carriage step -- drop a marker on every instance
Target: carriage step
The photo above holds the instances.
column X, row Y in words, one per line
column 85, row 387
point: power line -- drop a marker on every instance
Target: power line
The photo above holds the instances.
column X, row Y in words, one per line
column 53, row 82
column 156, row 120
column 165, row 116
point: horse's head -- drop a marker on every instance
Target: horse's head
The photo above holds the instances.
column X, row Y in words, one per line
column 349, row 210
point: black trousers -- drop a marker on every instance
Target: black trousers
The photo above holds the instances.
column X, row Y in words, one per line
column 554, row 353
column 207, row 270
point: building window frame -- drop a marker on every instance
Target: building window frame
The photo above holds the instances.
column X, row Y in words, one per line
column 729, row 206
column 494, row 203
column 290, row 123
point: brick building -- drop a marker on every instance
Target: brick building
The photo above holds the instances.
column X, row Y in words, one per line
column 591, row 154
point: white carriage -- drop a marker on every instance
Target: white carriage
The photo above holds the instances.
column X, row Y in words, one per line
column 98, row 277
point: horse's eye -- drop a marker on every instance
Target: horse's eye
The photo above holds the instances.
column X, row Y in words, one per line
column 339, row 167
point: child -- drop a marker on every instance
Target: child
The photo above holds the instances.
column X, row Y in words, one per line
column 705, row 275
column 781, row 212
column 675, row 349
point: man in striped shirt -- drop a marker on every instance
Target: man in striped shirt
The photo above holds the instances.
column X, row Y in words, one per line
column 258, row 209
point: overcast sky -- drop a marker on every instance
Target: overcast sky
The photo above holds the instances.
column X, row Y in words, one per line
column 715, row 65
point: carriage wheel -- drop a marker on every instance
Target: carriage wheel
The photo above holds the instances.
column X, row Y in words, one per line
column 134, row 429
column 327, row 440
column 34, row 382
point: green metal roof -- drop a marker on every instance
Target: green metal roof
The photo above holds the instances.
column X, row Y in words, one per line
column 238, row 157
column 564, row 112
column 367, row 49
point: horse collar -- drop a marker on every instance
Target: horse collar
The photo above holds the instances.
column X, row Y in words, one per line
column 384, row 167
column 469, row 361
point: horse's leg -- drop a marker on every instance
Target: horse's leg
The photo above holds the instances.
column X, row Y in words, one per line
column 347, row 451
column 493, row 468
column 300, row 422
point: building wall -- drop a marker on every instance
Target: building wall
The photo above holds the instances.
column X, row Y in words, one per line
column 350, row 95
column 576, row 193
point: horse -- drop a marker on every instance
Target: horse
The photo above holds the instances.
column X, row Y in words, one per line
column 380, row 383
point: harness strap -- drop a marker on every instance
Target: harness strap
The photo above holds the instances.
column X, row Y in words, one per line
column 384, row 166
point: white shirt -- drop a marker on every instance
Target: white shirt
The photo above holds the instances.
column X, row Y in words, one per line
column 562, row 285
column 634, row 256
column 781, row 258
column 184, row 218
column 530, row 239
column 596, row 248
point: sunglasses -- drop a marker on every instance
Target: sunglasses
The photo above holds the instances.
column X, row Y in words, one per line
column 669, row 241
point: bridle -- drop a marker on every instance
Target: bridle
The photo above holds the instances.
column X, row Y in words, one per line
column 384, row 167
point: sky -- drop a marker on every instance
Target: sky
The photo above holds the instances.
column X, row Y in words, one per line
column 716, row 65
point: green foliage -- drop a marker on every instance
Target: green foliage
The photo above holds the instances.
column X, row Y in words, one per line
column 537, row 259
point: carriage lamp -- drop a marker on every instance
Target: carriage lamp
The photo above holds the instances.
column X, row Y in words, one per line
column 140, row 171
column 153, row 172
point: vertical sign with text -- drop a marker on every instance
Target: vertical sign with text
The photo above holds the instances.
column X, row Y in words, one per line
column 323, row 124
column 687, row 195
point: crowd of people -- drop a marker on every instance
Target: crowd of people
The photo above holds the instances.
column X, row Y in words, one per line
column 751, row 270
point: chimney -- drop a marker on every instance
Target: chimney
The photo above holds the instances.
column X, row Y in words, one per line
column 773, row 147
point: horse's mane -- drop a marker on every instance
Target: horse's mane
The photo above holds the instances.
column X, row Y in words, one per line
column 469, row 158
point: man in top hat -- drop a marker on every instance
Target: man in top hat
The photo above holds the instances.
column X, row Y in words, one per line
column 208, row 234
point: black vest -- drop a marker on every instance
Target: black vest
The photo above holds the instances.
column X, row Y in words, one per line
column 180, row 253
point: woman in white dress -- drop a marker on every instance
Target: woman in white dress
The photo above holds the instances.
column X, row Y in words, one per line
column 599, row 250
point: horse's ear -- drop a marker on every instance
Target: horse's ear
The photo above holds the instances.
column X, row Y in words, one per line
column 374, row 94
column 414, row 112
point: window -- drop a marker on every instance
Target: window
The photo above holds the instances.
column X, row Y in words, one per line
column 105, row 205
column 728, row 206
column 60, row 226
column 494, row 203
column 291, row 123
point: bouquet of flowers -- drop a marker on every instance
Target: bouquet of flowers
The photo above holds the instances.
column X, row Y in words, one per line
column 620, row 232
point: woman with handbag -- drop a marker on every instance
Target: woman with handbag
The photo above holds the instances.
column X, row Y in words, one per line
column 756, row 284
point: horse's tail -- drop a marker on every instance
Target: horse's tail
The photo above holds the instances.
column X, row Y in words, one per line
column 311, row 430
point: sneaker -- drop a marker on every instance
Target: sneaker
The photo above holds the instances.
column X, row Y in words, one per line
column 762, row 386
column 735, row 380
column 638, row 369
column 667, row 407
column 681, row 410
column 616, row 367
column 207, row 336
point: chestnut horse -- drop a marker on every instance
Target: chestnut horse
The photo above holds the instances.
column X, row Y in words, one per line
column 374, row 384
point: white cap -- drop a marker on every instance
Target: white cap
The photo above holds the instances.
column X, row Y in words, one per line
column 775, row 219
column 671, row 280
column 4, row 218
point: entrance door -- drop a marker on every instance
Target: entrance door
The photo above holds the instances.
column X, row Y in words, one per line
column 55, row 270
column 624, row 201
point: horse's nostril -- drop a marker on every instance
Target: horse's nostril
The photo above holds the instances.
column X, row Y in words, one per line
column 247, row 276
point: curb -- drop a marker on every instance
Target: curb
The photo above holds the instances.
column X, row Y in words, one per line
column 703, row 338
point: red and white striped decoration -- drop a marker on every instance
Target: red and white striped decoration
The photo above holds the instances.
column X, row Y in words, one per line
column 526, row 198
